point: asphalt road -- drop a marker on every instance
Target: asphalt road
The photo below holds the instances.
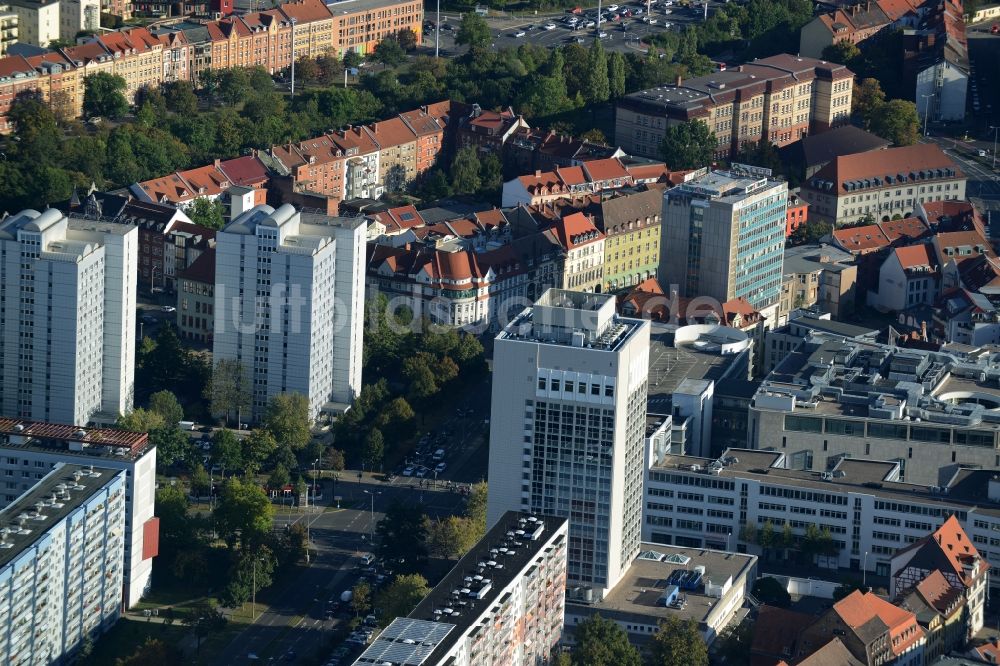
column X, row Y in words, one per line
column 294, row 620
column 627, row 38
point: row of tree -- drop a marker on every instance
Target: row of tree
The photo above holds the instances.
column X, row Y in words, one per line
column 601, row 642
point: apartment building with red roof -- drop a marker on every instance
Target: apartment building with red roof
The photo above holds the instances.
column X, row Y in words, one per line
column 429, row 133
column 361, row 24
column 18, row 76
column 196, row 298
column 949, row 551
column 210, row 181
column 487, row 131
column 873, row 630
column 314, row 27
column 939, row 609
column 574, row 183
column 909, row 277
column 583, row 243
column 397, row 158
column 880, row 184
column 855, row 23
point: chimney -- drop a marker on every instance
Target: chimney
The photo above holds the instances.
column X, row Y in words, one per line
column 216, row 163
column 538, row 173
column 680, row 80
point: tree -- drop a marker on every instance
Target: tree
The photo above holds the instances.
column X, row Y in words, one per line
column 227, row 451
column 465, row 171
column 389, row 52
column 234, row 85
column 452, row 537
column 898, row 122
column 175, row 526
column 407, row 39
column 490, row 173
column 201, row 483
column 601, row 642
column 173, row 447
column 769, row 591
column 279, row 478
column 400, row 597
column 361, row 601
column 141, row 420
column 867, row 101
column 352, row 59
column 287, row 418
column 165, row 404
column 597, row 88
column 595, row 135
column 334, row 460
column 104, row 95
column 180, row 97
column 475, row 505
column 307, row 69
column 616, row 75
column 153, row 652
column 258, row 446
column 206, row 212
column 374, row 449
column 843, row 52
column 678, row 643
column 164, row 367
column 229, row 390
column 688, row 145
column 402, row 536
column 244, row 514
column 766, row 538
column 432, row 186
column 205, row 619
column 251, row 572
column 473, row 31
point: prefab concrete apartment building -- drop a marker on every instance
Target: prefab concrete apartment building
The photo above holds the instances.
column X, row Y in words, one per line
column 568, row 421
column 61, row 564
column 68, row 296
column 289, row 305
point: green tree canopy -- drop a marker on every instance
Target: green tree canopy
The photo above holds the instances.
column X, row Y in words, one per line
column 770, row 591
column 844, row 52
column 374, row 449
column 104, row 95
column 389, row 52
column 678, row 643
column 173, row 447
column 452, row 537
column 141, row 419
column 597, row 88
column 227, row 451
column 206, row 212
column 616, row 75
column 258, row 447
column 867, row 101
column 165, row 404
column 474, row 31
column 402, row 536
column 465, row 171
column 601, row 642
column 287, row 418
column 244, row 514
column 229, row 389
column 688, row 145
column 898, row 122
column 400, row 597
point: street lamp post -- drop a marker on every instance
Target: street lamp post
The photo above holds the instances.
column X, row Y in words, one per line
column 437, row 31
column 995, row 128
column 294, row 21
column 864, row 572
column 372, row 493
column 315, row 471
column 927, row 105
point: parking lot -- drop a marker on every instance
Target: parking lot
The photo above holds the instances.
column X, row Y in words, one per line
column 624, row 28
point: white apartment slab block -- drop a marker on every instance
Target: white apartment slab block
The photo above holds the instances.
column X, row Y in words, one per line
column 68, row 353
column 284, row 311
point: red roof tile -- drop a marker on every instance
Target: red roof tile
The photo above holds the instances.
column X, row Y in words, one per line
column 576, row 230
column 609, row 169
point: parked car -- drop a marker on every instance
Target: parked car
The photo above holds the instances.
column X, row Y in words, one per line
column 549, row 26
column 408, row 470
column 440, row 467
column 520, row 33
column 422, row 472
column 612, row 8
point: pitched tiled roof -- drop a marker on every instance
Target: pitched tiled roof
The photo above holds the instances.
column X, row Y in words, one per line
column 834, row 653
column 937, row 592
column 947, row 548
column 915, row 256
column 392, row 132
column 865, row 612
column 776, row 631
column 576, row 230
column 846, row 140
column 248, row 171
column 960, row 246
column 420, row 122
column 306, row 11
column 609, row 169
column 13, row 66
column 201, row 269
column 400, row 218
column 908, row 162
column 356, row 138
column 860, row 239
column 906, row 228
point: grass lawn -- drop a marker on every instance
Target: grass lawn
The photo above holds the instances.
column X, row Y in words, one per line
column 128, row 636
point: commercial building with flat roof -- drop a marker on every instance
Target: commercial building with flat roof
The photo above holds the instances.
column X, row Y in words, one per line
column 778, row 99
column 699, row 584
column 61, row 550
column 863, row 505
column 833, row 397
column 501, row 605
column 567, row 428
column 728, row 228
